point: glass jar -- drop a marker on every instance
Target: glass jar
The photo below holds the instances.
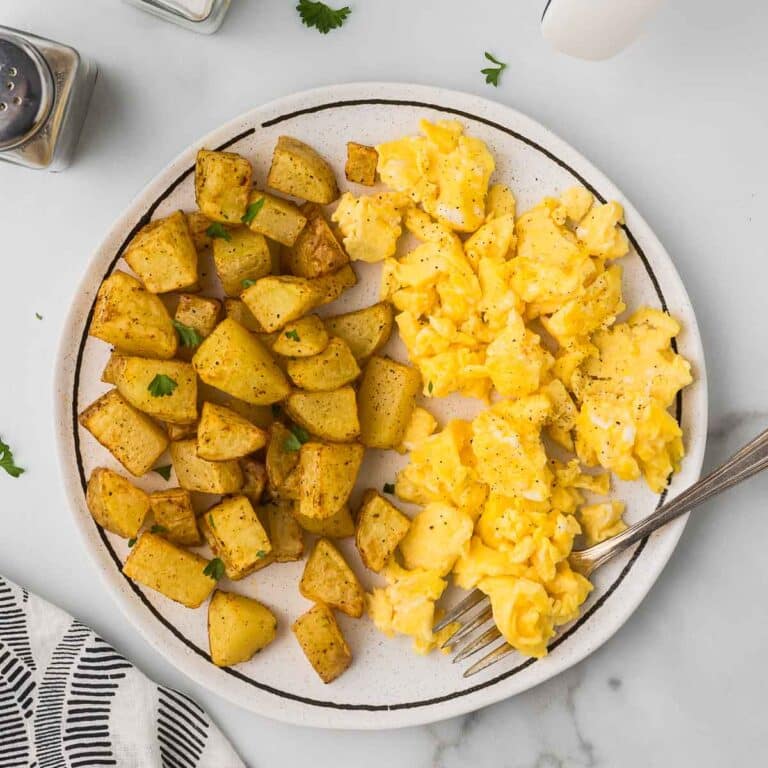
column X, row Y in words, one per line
column 45, row 89
column 203, row 16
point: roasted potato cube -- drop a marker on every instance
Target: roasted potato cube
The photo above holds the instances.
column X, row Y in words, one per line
column 116, row 503
column 232, row 360
column 173, row 512
column 339, row 525
column 238, row 627
column 302, row 338
column 174, row 572
column 163, row 254
column 245, row 256
column 236, row 310
column 132, row 319
column 328, row 579
column 284, row 532
column 281, row 457
column 332, row 368
column 320, row 637
column 198, row 224
column 276, row 300
column 277, row 219
column 361, row 164
column 387, row 398
column 180, row 431
column 380, row 528
column 235, row 534
column 115, row 362
column 365, row 331
column 140, row 379
column 331, row 286
column 200, row 313
column 327, row 476
column 224, row 434
column 298, row 170
column 255, row 480
column 222, row 185
column 316, row 251
column 196, row 474
column 129, row 435
column 329, row 415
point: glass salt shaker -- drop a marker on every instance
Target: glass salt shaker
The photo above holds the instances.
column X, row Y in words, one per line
column 45, row 88
column 203, row 16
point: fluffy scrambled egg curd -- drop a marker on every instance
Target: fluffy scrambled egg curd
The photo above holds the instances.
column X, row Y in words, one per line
column 519, row 310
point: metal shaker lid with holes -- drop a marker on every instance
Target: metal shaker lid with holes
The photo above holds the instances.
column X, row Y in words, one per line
column 26, row 92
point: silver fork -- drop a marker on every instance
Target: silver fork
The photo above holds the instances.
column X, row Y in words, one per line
column 474, row 611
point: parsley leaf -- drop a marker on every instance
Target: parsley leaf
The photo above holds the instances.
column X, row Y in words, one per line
column 252, row 211
column 214, row 569
column 131, row 542
column 292, row 443
column 217, row 229
column 158, row 529
column 321, row 16
column 6, row 461
column 247, row 283
column 292, row 335
column 188, row 336
column 430, row 387
column 38, row 316
column 389, row 487
column 492, row 74
column 261, row 553
column 161, row 386
column 164, row 472
column 301, row 434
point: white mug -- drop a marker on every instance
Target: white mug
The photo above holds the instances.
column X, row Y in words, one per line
column 594, row 29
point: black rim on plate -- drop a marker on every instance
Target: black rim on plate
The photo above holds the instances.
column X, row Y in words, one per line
column 146, row 217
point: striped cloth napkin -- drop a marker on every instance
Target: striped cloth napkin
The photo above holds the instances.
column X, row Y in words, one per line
column 70, row 700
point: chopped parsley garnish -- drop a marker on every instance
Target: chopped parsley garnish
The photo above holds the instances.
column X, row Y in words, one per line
column 252, row 211
column 38, row 316
column 188, row 336
column 492, row 74
column 214, row 569
column 321, row 16
column 293, row 335
column 261, row 553
column 217, row 229
column 162, row 386
column 292, row 443
column 389, row 487
column 158, row 529
column 131, row 542
column 430, row 387
column 6, row 461
column 164, row 472
column 247, row 283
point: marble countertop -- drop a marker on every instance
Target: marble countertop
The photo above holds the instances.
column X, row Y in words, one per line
column 678, row 121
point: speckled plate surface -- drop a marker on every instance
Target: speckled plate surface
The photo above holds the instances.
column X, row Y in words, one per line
column 388, row 685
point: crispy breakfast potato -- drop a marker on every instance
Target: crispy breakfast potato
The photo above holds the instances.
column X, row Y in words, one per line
column 328, row 579
column 245, row 256
column 316, row 251
column 198, row 224
column 320, row 638
column 339, row 525
column 116, row 503
column 173, row 511
column 365, row 331
column 174, row 572
column 255, row 480
column 332, row 285
column 222, row 185
column 109, row 374
column 327, row 476
column 284, row 532
column 132, row 319
column 196, row 474
column 298, row 170
column 236, row 310
column 137, row 378
column 387, row 397
column 277, row 219
column 302, row 338
column 281, row 460
column 238, row 627
column 276, row 300
column 331, row 369
column 380, row 528
column 235, row 534
column 129, row 435
column 361, row 164
column 201, row 313
column 180, row 431
column 234, row 361
column 224, row 434
column 329, row 415
column 163, row 254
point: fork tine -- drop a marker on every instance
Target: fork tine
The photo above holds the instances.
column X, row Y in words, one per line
column 458, row 610
column 480, row 642
column 469, row 627
column 497, row 654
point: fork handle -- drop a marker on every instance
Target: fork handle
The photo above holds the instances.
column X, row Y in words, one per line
column 748, row 461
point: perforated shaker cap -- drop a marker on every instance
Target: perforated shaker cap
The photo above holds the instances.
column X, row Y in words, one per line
column 26, row 91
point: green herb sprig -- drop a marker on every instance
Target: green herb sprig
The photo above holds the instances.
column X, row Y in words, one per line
column 7, row 462
column 188, row 336
column 252, row 211
column 214, row 569
column 217, row 229
column 321, row 16
column 162, row 386
column 492, row 74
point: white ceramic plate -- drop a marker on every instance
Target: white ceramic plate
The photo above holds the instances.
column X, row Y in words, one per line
column 388, row 685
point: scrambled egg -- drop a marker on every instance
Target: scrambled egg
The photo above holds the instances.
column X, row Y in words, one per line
column 517, row 309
